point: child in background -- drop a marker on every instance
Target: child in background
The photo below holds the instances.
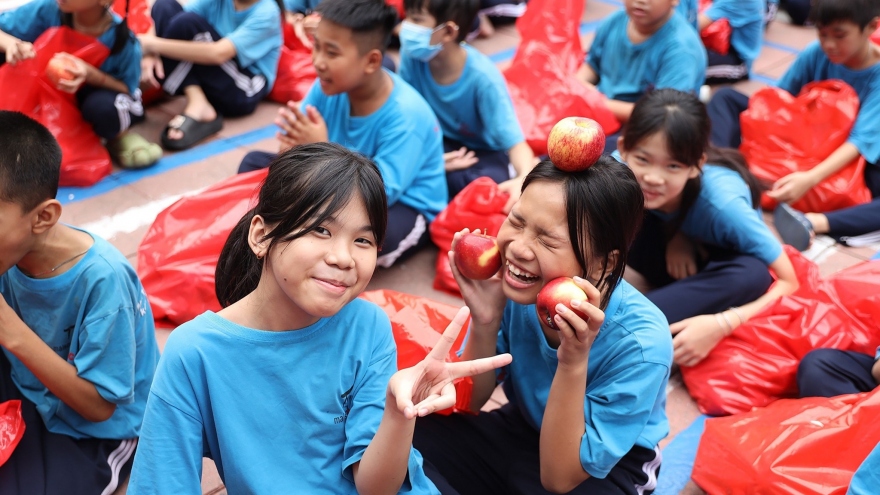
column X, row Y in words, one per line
column 481, row 133
column 108, row 96
column 293, row 383
column 645, row 46
column 704, row 249
column 358, row 104
column 844, row 51
column 300, row 14
column 221, row 54
column 76, row 332
column 587, row 401
column 746, row 19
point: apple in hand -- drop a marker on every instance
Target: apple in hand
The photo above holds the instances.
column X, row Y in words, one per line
column 477, row 256
column 560, row 290
column 575, row 143
column 60, row 68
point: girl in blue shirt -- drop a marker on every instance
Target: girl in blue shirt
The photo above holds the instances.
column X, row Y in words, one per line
column 221, row 54
column 587, row 401
column 108, row 96
column 287, row 386
column 704, row 249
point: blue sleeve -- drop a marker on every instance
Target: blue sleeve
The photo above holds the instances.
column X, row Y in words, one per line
column 30, row 20
column 867, row 477
column 106, row 354
column 864, row 132
column 402, row 151
column 295, row 5
column 258, row 35
column 725, row 9
column 682, row 67
column 170, row 448
column 594, row 56
column 615, row 413
column 742, row 230
column 201, row 7
column 126, row 65
column 801, row 71
column 500, row 124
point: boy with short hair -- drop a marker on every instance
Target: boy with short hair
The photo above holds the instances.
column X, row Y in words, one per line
column 647, row 45
column 844, row 51
column 481, row 133
column 76, row 331
column 360, row 105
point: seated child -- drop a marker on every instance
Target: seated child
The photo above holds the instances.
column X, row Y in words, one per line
column 645, row 46
column 221, row 54
column 704, row 249
column 844, row 51
column 301, row 15
column 746, row 19
column 293, row 386
column 108, row 96
column 76, row 332
column 587, row 395
column 358, row 104
column 481, row 133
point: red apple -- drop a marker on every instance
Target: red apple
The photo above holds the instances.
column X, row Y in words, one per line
column 575, row 143
column 477, row 256
column 60, row 68
column 559, row 290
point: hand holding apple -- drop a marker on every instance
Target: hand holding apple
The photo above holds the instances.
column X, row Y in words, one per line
column 485, row 297
column 575, row 143
column 562, row 290
column 477, row 256
column 67, row 72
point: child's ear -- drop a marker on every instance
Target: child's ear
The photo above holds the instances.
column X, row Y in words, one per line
column 620, row 145
column 257, row 236
column 450, row 33
column 872, row 26
column 602, row 270
column 694, row 172
column 374, row 61
column 45, row 216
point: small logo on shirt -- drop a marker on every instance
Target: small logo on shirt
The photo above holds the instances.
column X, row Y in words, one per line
column 347, row 402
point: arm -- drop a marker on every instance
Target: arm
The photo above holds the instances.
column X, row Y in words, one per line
column 786, row 283
column 586, row 74
column 211, row 53
column 15, row 49
column 621, row 109
column 793, row 186
column 59, row 376
column 703, row 21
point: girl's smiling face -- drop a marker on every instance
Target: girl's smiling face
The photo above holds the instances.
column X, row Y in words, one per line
column 661, row 177
column 535, row 243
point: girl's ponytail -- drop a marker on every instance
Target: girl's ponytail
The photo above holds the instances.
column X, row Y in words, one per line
column 123, row 33
column 238, row 269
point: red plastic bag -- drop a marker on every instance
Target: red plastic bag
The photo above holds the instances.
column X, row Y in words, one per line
column 25, row 88
column 782, row 134
column 11, row 428
column 541, row 79
column 480, row 205
column 805, row 446
column 876, row 36
column 295, row 70
column 716, row 36
column 417, row 324
column 139, row 20
column 758, row 363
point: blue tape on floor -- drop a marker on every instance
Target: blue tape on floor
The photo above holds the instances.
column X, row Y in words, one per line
column 678, row 459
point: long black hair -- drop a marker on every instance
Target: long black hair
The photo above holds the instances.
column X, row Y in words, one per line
column 683, row 119
column 605, row 207
column 305, row 186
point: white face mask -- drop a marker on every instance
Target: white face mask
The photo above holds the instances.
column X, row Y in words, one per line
column 415, row 41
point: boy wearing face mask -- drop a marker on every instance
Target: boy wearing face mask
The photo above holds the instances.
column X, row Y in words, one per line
column 481, row 134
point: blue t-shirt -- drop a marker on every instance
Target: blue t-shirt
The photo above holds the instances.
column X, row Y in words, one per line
column 746, row 19
column 30, row 20
column 625, row 403
column 255, row 32
column 403, row 137
column 476, row 110
column 813, row 65
column 674, row 57
column 96, row 316
column 867, row 477
column 290, row 409
column 689, row 10
column 723, row 216
column 301, row 5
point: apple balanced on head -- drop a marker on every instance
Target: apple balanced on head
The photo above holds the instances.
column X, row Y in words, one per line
column 575, row 143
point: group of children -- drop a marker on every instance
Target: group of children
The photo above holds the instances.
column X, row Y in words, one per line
column 294, row 382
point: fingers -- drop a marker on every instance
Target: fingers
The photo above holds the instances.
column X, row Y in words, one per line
column 571, row 325
column 314, row 115
column 441, row 348
column 593, row 294
column 677, row 327
column 478, row 366
column 159, row 68
column 435, row 402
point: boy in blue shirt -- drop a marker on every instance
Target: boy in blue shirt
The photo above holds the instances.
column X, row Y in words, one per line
column 481, row 133
column 76, row 331
column 648, row 45
column 844, row 51
column 746, row 19
column 360, row 105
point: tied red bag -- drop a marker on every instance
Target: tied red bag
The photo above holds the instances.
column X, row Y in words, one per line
column 758, row 363
column 716, row 36
column 11, row 428
column 541, row 79
column 295, row 70
column 805, row 446
column 782, row 134
column 139, row 20
column 25, row 88
column 480, row 205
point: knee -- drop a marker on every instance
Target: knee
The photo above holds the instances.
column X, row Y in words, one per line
column 814, row 370
column 185, row 26
column 723, row 97
column 750, row 277
column 165, row 9
column 99, row 110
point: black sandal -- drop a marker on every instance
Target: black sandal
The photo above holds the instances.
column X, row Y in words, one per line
column 192, row 129
column 793, row 227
